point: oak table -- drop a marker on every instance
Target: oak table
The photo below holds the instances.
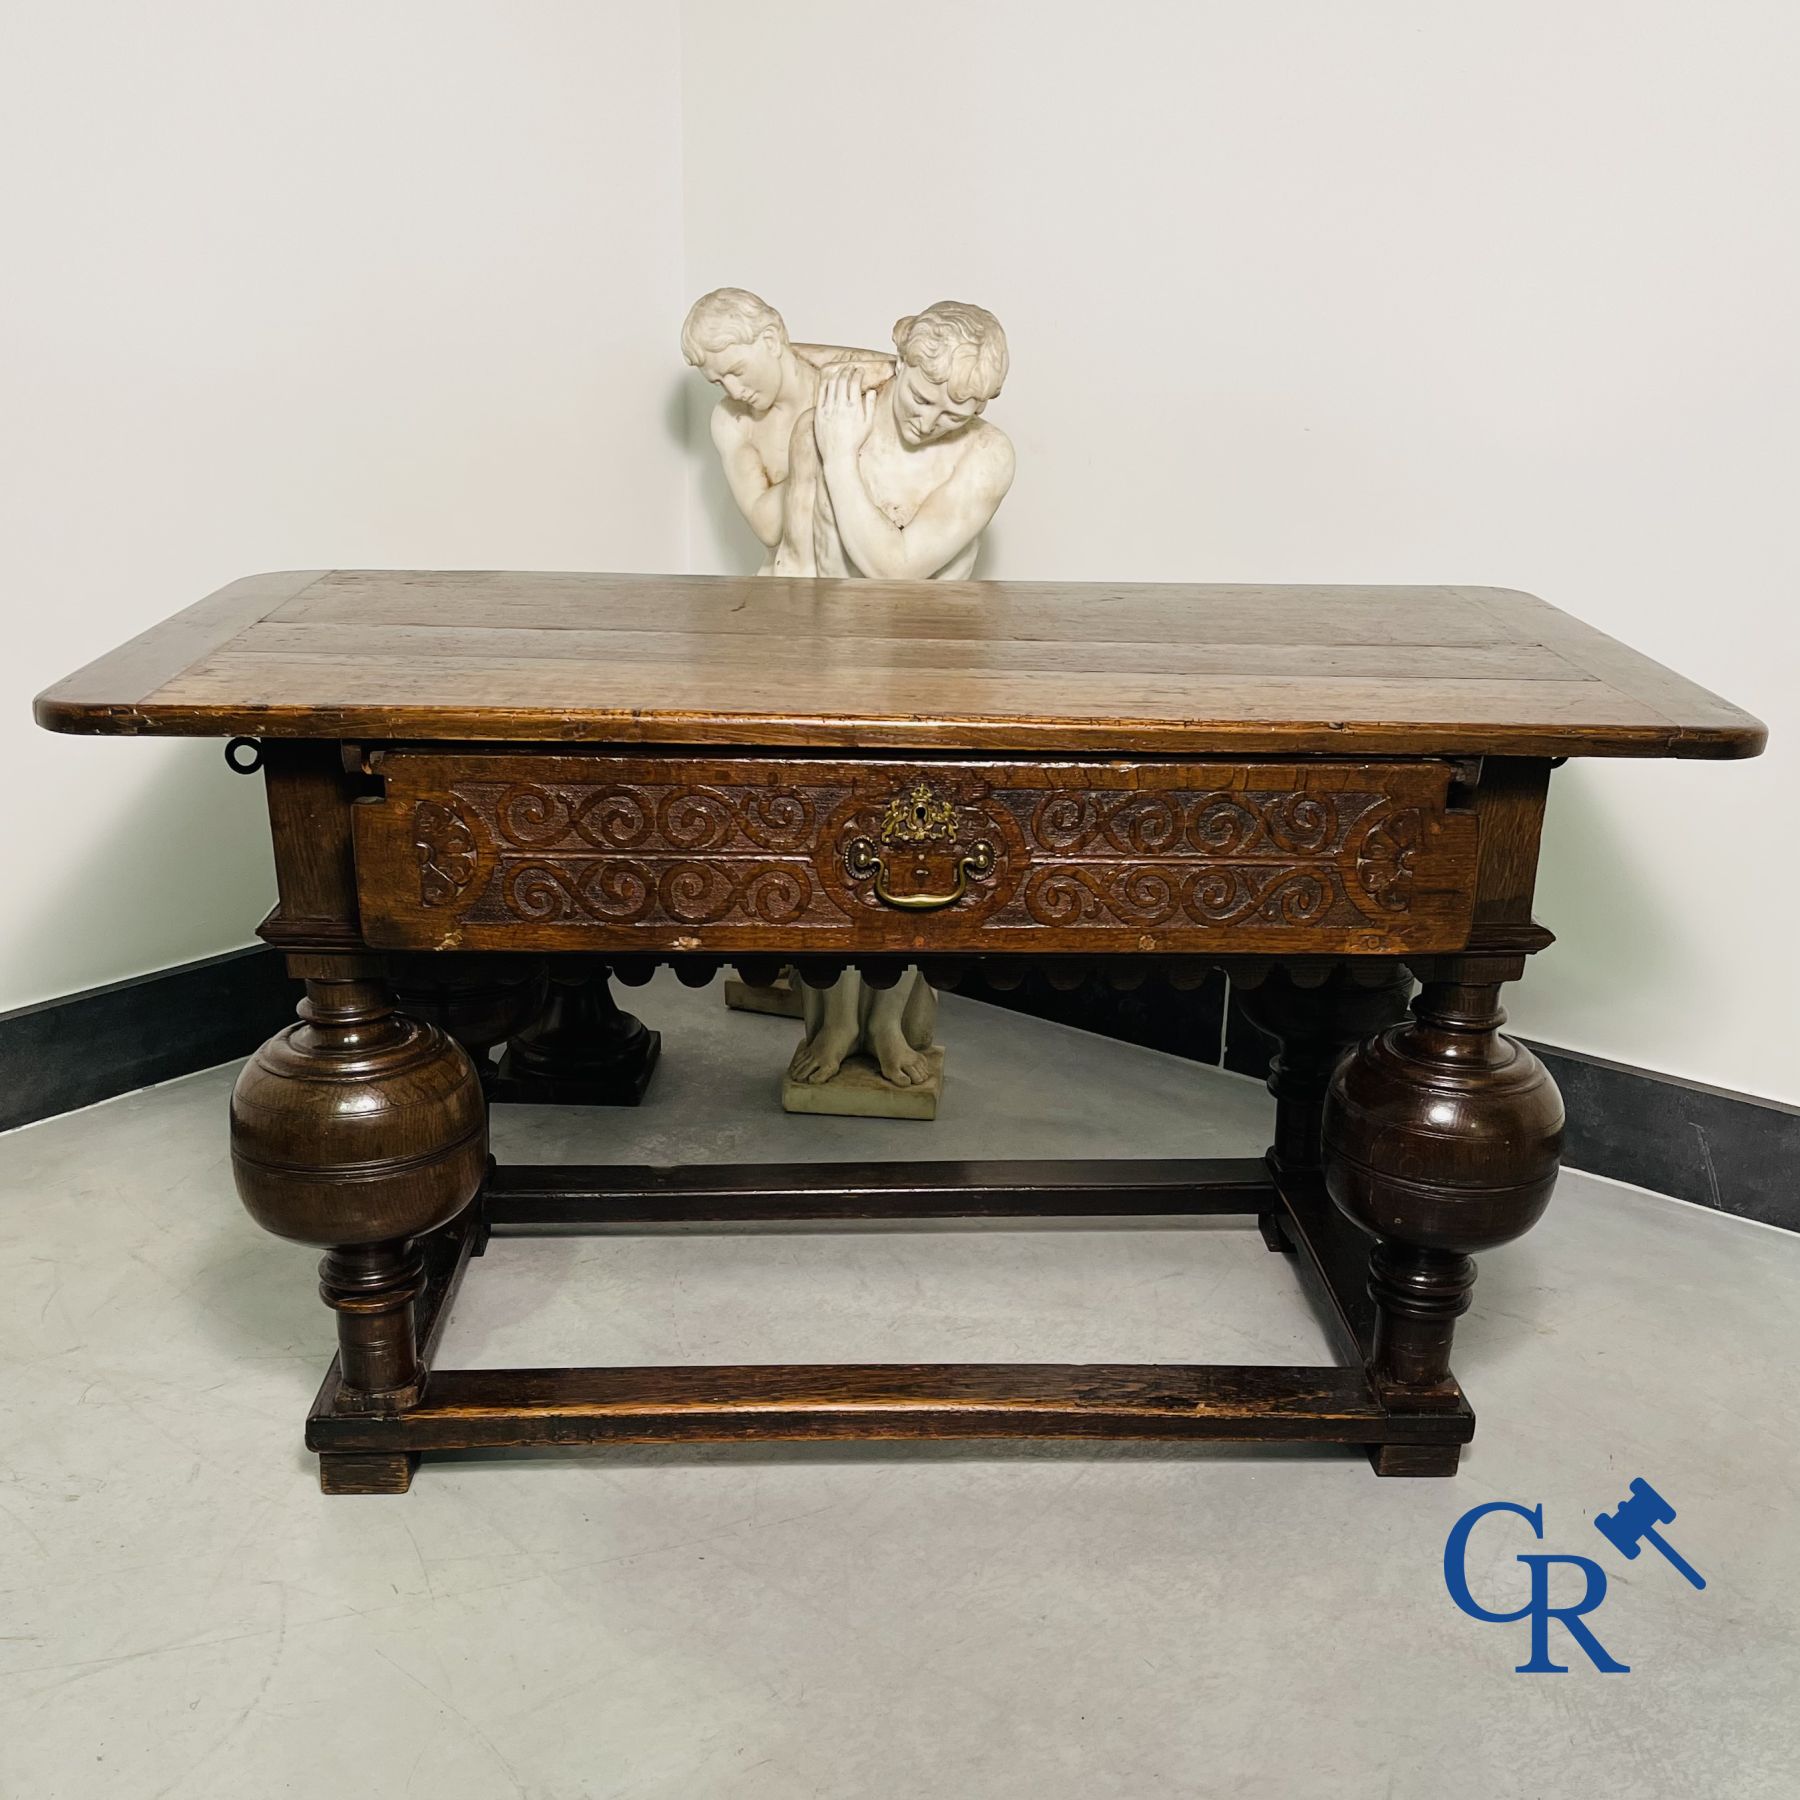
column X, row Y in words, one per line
column 1328, row 792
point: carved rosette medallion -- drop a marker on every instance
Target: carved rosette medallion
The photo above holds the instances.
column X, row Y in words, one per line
column 448, row 851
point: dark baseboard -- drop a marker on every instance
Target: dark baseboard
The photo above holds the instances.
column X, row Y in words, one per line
column 1734, row 1152
column 61, row 1054
column 1731, row 1151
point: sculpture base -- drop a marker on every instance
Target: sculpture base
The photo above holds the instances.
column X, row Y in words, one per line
column 780, row 999
column 860, row 1091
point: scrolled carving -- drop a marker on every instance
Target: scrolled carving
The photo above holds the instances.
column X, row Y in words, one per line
column 1146, row 824
column 614, row 818
column 1061, row 897
column 536, row 892
column 844, row 848
column 1066, row 821
column 532, row 817
column 1302, row 897
column 612, row 892
column 697, row 893
column 1222, row 825
column 777, row 894
column 778, row 819
column 1149, row 890
column 1207, row 823
column 1151, row 896
column 695, row 819
column 1299, row 824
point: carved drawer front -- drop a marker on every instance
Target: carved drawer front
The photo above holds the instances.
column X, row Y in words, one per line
column 550, row 851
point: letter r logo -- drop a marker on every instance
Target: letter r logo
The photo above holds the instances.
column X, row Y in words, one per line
column 1542, row 1612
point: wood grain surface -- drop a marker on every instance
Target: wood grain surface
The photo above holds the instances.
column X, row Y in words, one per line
column 538, row 851
column 511, row 1408
column 861, row 665
column 526, row 1195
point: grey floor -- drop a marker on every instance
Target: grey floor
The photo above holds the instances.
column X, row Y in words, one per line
column 182, row 1614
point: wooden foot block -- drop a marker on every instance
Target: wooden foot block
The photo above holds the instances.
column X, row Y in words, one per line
column 366, row 1471
column 620, row 1080
column 1414, row 1459
column 1269, row 1224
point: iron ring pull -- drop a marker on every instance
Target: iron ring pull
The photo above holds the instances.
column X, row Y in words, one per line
column 864, row 860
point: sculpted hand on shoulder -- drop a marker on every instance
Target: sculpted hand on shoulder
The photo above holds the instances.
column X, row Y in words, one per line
column 844, row 413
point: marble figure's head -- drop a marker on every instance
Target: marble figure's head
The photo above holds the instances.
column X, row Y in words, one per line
column 952, row 362
column 737, row 342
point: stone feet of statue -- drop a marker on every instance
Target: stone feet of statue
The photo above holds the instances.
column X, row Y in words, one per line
column 821, row 1055
column 901, row 1062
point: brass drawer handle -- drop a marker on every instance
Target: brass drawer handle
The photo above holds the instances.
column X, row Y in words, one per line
column 863, row 860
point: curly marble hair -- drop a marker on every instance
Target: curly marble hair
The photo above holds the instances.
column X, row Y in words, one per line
column 961, row 347
column 725, row 317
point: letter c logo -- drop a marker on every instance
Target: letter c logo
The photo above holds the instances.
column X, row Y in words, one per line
column 1456, row 1554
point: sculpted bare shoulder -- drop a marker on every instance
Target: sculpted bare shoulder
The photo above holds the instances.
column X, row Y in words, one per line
column 990, row 457
column 731, row 425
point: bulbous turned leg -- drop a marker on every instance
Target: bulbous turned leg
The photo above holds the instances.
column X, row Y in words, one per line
column 358, row 1130
column 1441, row 1139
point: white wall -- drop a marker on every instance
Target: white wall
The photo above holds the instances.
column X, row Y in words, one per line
column 1357, row 292
column 1389, row 291
column 295, row 285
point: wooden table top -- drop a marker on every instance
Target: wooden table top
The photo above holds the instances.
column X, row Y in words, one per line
column 1010, row 666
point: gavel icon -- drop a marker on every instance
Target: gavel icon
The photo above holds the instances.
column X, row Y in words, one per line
column 1633, row 1522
